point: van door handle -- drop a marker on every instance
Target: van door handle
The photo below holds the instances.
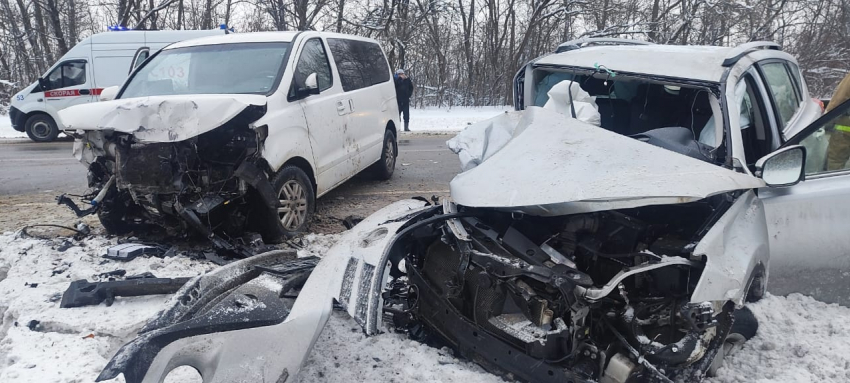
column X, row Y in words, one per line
column 85, row 91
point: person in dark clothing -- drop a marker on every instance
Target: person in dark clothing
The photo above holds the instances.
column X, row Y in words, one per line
column 403, row 91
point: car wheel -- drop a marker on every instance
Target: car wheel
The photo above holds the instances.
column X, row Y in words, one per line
column 297, row 202
column 41, row 128
column 384, row 168
column 744, row 328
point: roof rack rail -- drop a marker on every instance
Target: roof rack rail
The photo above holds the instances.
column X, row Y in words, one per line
column 578, row 43
column 744, row 49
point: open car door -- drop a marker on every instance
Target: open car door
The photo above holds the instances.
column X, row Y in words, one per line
column 809, row 223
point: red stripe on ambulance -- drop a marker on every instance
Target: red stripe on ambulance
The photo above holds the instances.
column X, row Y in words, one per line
column 71, row 92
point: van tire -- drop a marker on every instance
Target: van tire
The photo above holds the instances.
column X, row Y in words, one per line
column 384, row 168
column 41, row 128
column 294, row 191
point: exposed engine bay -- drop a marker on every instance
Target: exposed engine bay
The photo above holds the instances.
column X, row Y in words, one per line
column 602, row 296
column 214, row 184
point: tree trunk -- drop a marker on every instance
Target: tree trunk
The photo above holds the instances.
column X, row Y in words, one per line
column 56, row 24
column 39, row 20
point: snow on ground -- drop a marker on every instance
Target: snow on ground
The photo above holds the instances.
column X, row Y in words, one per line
column 799, row 340
column 6, row 130
column 451, row 119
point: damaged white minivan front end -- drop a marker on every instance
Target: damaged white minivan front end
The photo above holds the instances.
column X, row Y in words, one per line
column 178, row 162
column 569, row 253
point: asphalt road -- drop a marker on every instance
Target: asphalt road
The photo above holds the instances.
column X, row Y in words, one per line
column 424, row 167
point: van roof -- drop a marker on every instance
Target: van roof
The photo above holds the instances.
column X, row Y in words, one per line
column 235, row 38
column 704, row 63
column 261, row 37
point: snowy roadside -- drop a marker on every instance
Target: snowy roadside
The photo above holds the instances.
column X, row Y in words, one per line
column 455, row 119
column 6, row 130
column 799, row 340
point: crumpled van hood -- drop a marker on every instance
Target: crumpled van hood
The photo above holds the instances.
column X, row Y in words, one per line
column 159, row 118
column 556, row 165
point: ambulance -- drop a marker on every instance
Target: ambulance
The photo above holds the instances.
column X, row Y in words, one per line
column 97, row 62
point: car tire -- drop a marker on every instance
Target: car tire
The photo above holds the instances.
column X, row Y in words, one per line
column 384, row 168
column 298, row 202
column 41, row 128
column 744, row 328
column 746, row 324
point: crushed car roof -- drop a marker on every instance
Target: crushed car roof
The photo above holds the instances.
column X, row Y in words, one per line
column 564, row 166
column 702, row 63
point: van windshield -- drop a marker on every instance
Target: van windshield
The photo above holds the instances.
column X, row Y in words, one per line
column 248, row 68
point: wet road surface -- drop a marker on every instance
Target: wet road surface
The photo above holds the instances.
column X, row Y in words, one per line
column 424, row 167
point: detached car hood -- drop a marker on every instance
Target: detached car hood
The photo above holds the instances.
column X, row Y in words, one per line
column 557, row 165
column 160, row 118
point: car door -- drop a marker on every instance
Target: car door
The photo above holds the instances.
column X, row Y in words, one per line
column 809, row 223
column 370, row 102
column 326, row 114
column 67, row 85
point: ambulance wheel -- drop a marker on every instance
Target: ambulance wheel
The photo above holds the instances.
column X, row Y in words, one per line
column 41, row 128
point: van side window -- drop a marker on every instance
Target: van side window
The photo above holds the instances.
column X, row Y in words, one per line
column 313, row 59
column 359, row 63
column 67, row 74
column 782, row 88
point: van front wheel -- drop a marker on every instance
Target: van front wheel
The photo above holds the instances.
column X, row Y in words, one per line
column 296, row 203
column 41, row 128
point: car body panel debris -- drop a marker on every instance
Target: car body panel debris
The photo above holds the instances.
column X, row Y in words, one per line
column 129, row 251
column 84, row 293
column 232, row 348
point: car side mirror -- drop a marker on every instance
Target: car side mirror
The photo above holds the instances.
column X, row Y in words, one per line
column 109, row 93
column 784, row 167
column 311, row 84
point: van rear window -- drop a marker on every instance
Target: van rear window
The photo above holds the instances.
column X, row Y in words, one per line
column 360, row 63
column 245, row 68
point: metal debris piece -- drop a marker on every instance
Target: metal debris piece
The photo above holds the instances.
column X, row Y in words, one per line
column 84, row 293
column 129, row 251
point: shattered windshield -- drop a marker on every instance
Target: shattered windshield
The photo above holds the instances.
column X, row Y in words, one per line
column 251, row 68
column 671, row 116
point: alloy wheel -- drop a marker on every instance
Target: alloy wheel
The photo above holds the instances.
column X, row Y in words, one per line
column 293, row 205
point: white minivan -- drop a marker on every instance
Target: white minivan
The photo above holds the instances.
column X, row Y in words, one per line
column 97, row 62
column 237, row 134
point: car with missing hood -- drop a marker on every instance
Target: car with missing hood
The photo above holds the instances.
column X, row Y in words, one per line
column 236, row 133
column 568, row 252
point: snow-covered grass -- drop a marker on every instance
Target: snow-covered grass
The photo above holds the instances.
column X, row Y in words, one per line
column 451, row 119
column 799, row 340
column 6, row 130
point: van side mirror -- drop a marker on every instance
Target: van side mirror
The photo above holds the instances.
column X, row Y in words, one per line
column 784, row 167
column 311, row 84
column 109, row 93
column 42, row 84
